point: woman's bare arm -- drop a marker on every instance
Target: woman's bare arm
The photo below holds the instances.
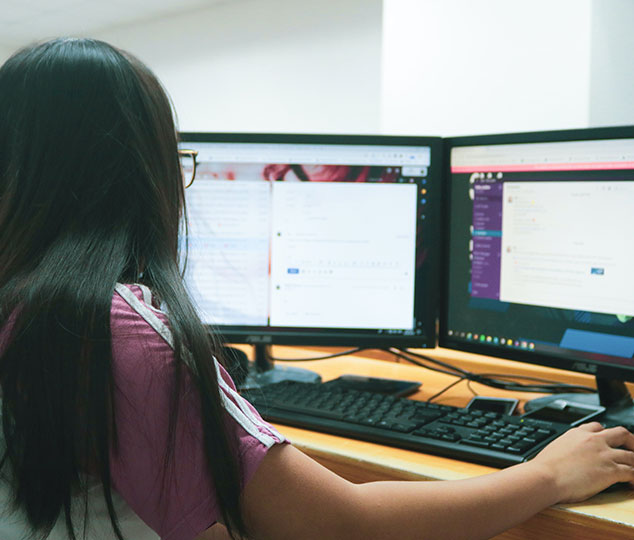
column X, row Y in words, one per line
column 292, row 496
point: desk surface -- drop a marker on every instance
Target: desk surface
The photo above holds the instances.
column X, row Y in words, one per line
column 607, row 515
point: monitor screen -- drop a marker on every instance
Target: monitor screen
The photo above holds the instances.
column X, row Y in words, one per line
column 539, row 259
column 300, row 239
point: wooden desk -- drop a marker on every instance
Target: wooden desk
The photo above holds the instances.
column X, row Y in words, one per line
column 605, row 516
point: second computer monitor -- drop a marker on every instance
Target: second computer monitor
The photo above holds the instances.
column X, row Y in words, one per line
column 329, row 240
column 540, row 259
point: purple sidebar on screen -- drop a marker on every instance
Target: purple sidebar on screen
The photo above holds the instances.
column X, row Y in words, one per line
column 487, row 240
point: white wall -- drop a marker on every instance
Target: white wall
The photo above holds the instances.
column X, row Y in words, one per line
column 267, row 65
column 612, row 63
column 481, row 66
column 395, row 66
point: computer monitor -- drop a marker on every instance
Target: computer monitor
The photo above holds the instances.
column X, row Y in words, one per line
column 539, row 260
column 315, row 239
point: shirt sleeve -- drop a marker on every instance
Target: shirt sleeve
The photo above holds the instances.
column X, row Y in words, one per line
column 178, row 503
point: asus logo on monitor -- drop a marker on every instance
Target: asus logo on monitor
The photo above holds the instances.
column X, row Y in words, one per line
column 259, row 339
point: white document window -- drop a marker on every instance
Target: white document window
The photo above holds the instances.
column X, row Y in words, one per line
column 567, row 245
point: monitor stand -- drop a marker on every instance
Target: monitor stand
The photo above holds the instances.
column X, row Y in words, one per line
column 612, row 394
column 262, row 371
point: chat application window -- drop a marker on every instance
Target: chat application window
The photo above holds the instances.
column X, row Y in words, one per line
column 565, row 245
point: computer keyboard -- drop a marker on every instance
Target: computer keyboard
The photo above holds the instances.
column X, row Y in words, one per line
column 469, row 435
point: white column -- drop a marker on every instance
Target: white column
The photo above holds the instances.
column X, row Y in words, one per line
column 482, row 66
column 612, row 65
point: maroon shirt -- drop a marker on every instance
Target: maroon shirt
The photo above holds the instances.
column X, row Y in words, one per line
column 182, row 503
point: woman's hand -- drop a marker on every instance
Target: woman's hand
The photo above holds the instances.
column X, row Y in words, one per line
column 588, row 459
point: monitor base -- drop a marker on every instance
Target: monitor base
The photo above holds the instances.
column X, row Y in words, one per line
column 257, row 379
column 263, row 371
column 613, row 395
column 572, row 398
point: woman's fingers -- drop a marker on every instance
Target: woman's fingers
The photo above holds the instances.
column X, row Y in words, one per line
column 623, row 457
column 625, row 473
column 615, row 437
column 592, row 426
column 619, row 437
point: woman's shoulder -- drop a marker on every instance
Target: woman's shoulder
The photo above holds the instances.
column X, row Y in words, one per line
column 140, row 330
column 135, row 306
column 135, row 297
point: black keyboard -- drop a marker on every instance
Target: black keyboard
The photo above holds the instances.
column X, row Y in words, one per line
column 469, row 435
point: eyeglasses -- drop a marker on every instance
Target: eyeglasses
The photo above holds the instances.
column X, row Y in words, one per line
column 188, row 165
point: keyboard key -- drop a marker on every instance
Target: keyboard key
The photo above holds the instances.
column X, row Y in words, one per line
column 542, row 434
column 404, row 427
column 482, row 444
column 426, row 416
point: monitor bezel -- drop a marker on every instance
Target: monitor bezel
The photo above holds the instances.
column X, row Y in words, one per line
column 300, row 336
column 596, row 368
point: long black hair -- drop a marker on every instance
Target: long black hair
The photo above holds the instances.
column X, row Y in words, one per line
column 91, row 194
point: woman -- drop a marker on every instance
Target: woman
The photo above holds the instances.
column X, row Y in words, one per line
column 117, row 421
